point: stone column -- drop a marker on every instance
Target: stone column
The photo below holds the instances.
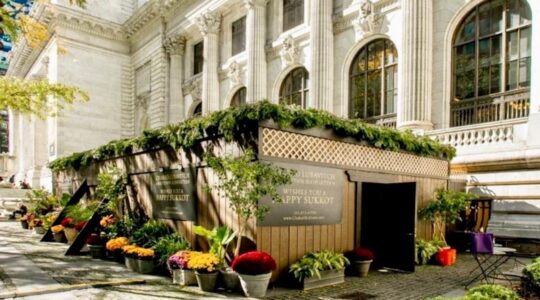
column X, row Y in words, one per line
column 175, row 46
column 209, row 24
column 414, row 105
column 321, row 76
column 256, row 64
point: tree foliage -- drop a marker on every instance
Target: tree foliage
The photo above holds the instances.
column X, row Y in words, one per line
column 33, row 97
column 244, row 182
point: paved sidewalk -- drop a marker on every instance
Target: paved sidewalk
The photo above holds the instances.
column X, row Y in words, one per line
column 28, row 265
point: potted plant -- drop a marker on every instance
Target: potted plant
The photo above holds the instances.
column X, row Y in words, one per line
column 38, row 226
column 114, row 248
column 69, row 229
column 219, row 239
column 205, row 265
column 145, row 260
column 445, row 209
column 320, row 269
column 530, row 281
column 130, row 257
column 254, row 270
column 361, row 259
column 58, row 233
column 178, row 266
column 95, row 245
column 425, row 250
column 167, row 246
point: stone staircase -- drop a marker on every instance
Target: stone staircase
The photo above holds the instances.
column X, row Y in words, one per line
column 10, row 198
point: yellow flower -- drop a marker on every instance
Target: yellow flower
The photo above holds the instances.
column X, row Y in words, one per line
column 138, row 252
column 117, row 243
column 107, row 221
column 203, row 262
column 57, row 229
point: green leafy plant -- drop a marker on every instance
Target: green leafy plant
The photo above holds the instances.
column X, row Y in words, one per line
column 149, row 233
column 490, row 292
column 41, row 202
column 312, row 264
column 424, row 250
column 532, row 272
column 445, row 209
column 81, row 212
column 240, row 124
column 125, row 226
column 219, row 239
column 112, row 186
column 169, row 245
column 244, row 182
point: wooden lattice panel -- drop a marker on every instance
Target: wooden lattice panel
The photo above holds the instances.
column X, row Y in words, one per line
column 282, row 144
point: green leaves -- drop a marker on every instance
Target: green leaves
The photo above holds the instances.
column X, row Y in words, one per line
column 36, row 97
column 219, row 239
column 240, row 124
column 312, row 264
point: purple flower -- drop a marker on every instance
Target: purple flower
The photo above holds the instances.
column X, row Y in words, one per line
column 178, row 260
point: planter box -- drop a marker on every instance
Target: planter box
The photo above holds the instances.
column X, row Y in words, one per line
column 330, row 277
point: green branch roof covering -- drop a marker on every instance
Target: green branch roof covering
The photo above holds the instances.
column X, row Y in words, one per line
column 234, row 122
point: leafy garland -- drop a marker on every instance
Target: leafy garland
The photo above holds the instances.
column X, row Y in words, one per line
column 240, row 124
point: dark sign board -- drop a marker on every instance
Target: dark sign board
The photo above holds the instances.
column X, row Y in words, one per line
column 315, row 197
column 173, row 195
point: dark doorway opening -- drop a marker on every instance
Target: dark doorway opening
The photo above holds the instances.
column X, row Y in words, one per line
column 387, row 223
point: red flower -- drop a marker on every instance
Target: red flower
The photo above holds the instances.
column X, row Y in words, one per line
column 360, row 254
column 67, row 222
column 93, row 239
column 254, row 263
column 79, row 226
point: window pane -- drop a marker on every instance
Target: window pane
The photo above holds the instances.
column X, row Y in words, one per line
column 390, row 90
column 497, row 15
column 484, row 16
column 390, row 56
column 524, row 72
column 294, row 86
column 198, row 58
column 512, row 45
column 513, row 14
column 373, row 94
column 511, row 75
column 239, row 97
column 293, row 13
column 357, row 97
column 359, row 63
column 484, row 51
column 496, row 78
column 239, row 36
column 525, row 13
column 525, row 42
column 375, row 53
column 467, row 29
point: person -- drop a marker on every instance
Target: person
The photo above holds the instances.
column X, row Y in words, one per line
column 21, row 211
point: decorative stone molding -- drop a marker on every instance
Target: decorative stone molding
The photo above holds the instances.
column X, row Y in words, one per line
column 145, row 14
column 252, row 3
column 175, row 45
column 234, row 73
column 193, row 87
column 368, row 20
column 381, row 8
column 290, row 54
column 209, row 22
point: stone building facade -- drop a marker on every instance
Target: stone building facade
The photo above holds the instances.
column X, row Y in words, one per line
column 462, row 71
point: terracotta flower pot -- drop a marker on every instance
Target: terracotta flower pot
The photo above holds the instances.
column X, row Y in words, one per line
column 71, row 234
column 184, row 277
column 362, row 267
column 255, row 285
column 207, row 281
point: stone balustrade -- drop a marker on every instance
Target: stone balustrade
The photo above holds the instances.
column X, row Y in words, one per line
column 480, row 134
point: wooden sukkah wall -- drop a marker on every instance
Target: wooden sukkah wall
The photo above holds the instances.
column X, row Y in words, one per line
column 314, row 147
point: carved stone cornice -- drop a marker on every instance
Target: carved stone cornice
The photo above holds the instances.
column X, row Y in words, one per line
column 146, row 13
column 89, row 24
column 175, row 45
column 209, row 22
column 381, row 7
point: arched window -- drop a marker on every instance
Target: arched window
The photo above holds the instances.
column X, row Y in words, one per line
column 294, row 89
column 492, row 63
column 373, row 82
column 197, row 112
column 239, row 97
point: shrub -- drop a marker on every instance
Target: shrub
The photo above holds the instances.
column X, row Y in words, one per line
column 312, row 264
column 359, row 254
column 424, row 250
column 490, row 292
column 168, row 245
column 254, row 263
column 532, row 272
column 148, row 235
